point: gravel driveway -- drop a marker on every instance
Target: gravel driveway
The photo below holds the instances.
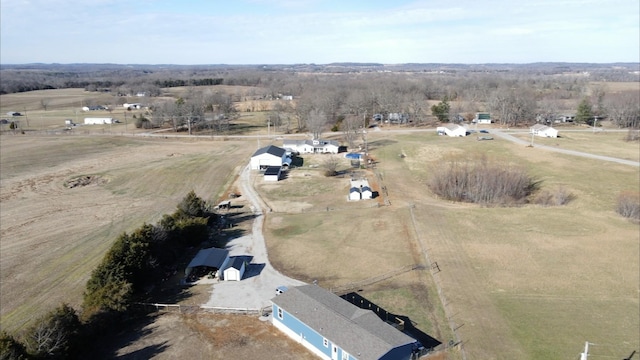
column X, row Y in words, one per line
column 260, row 279
column 566, row 151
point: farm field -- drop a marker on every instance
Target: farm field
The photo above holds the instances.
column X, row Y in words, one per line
column 53, row 235
column 609, row 142
column 531, row 282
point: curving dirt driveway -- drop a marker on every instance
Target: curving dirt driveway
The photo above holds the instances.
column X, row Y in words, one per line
column 260, row 280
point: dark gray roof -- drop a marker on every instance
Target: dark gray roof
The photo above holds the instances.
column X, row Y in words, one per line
column 272, row 170
column 271, row 149
column 237, row 263
column 359, row 332
column 211, row 257
column 354, row 189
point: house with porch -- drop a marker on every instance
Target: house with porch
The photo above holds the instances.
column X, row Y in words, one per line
column 317, row 146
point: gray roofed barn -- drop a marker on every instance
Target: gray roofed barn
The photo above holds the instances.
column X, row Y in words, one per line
column 269, row 156
column 211, row 257
column 271, row 149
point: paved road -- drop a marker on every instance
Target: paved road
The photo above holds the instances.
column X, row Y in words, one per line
column 259, row 284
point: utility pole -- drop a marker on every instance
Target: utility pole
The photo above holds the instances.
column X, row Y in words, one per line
column 585, row 354
column 532, row 135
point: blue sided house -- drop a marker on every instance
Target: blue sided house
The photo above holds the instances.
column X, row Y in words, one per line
column 335, row 329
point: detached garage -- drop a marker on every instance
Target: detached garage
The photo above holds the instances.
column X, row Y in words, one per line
column 268, row 156
column 235, row 271
column 272, row 173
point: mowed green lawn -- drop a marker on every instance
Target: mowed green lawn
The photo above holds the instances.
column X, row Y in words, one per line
column 528, row 282
column 52, row 237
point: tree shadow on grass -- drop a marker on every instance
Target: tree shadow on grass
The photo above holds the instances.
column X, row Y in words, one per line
column 380, row 143
column 135, row 327
column 147, row 352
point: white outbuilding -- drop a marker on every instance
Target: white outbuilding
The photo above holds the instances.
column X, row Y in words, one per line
column 452, row 130
column 235, row 270
column 360, row 190
column 366, row 192
column 354, row 193
column 98, row 121
column 272, row 173
column 269, row 156
column 543, row 131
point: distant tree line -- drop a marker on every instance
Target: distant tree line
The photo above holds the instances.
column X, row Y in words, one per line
column 134, row 263
column 514, row 95
column 188, row 82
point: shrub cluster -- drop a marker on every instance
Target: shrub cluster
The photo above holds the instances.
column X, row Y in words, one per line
column 558, row 197
column 632, row 135
column 133, row 263
column 481, row 181
column 628, row 205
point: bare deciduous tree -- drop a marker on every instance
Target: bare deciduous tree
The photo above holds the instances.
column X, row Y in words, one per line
column 624, row 110
column 316, row 122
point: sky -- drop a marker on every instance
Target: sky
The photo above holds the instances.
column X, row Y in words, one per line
column 191, row 32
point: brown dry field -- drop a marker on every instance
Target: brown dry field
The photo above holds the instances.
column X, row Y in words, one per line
column 517, row 283
column 530, row 282
column 53, row 236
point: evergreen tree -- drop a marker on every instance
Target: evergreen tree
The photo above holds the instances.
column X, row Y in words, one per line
column 584, row 114
column 441, row 110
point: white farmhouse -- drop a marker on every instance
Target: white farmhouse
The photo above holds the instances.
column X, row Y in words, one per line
column 98, row 121
column 317, row 146
column 269, row 156
column 452, row 130
column 543, row 131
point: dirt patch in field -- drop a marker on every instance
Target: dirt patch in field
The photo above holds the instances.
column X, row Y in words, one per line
column 85, row 180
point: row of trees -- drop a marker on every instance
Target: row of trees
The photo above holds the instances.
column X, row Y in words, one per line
column 134, row 262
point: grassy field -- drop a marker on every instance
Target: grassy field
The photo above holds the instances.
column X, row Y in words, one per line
column 530, row 282
column 53, row 236
column 601, row 142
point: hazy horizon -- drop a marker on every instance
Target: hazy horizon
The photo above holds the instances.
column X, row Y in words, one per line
column 282, row 32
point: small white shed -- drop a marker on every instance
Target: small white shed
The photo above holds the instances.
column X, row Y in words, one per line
column 452, row 130
column 543, row 131
column 354, row 193
column 366, row 192
column 236, row 270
